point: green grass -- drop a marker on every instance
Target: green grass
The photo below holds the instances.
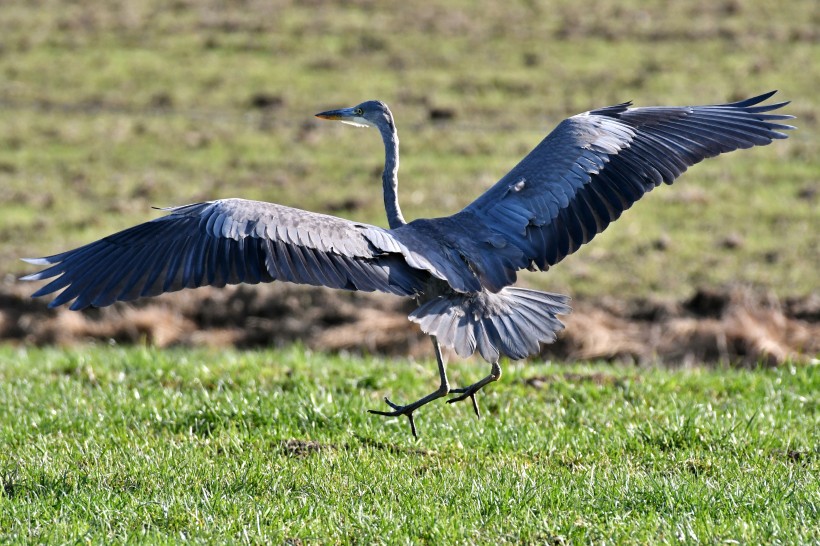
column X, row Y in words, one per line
column 108, row 108
column 110, row 444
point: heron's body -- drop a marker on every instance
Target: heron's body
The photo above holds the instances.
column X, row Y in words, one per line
column 460, row 268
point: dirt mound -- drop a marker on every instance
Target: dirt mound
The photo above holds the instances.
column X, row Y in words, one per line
column 735, row 326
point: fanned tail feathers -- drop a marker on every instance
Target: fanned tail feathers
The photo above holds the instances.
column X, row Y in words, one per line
column 513, row 322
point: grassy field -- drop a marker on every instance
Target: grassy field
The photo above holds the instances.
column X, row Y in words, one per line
column 113, row 444
column 108, row 108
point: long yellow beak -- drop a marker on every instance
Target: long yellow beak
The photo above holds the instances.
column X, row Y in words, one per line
column 337, row 115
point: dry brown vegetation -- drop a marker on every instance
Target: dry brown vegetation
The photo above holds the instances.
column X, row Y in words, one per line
column 737, row 326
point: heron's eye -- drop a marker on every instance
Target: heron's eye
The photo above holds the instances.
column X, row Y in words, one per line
column 359, row 112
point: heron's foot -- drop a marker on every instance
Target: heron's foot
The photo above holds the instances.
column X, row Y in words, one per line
column 408, row 409
column 469, row 392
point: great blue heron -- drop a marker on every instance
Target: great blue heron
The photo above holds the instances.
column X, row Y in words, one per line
column 459, row 268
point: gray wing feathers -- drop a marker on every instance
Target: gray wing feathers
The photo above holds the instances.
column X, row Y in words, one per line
column 228, row 242
column 512, row 322
column 595, row 165
column 239, row 218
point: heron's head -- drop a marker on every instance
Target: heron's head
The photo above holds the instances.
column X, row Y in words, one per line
column 372, row 113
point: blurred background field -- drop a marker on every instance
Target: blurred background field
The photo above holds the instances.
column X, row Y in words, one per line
column 108, row 108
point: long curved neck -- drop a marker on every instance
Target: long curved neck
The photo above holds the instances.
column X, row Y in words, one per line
column 390, row 176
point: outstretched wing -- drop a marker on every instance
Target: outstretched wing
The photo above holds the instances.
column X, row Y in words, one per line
column 228, row 241
column 595, row 165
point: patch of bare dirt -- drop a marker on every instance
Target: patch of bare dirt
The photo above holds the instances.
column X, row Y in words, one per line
column 735, row 326
column 303, row 448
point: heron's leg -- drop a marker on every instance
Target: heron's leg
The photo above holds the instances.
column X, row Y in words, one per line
column 470, row 391
column 443, row 390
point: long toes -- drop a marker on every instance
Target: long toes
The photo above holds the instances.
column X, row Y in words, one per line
column 392, row 405
column 475, row 406
column 459, row 398
column 380, row 412
column 399, row 410
column 469, row 394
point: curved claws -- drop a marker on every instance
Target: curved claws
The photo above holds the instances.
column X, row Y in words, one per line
column 466, row 394
column 412, row 424
column 443, row 389
column 470, row 391
column 393, row 405
column 398, row 410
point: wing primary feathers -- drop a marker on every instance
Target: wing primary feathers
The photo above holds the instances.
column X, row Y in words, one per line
column 55, row 261
column 221, row 265
column 751, row 101
column 237, row 258
column 174, row 278
column 281, row 261
column 250, row 258
column 127, row 270
column 212, row 247
column 594, row 166
column 203, row 249
column 92, row 272
column 303, row 272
